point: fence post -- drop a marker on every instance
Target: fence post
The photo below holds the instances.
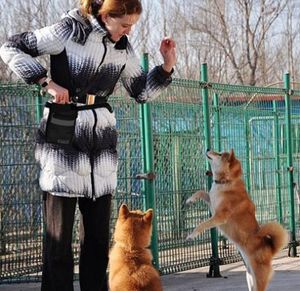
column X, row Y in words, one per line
column 38, row 105
column 217, row 139
column 293, row 242
column 277, row 163
column 248, row 163
column 147, row 151
column 214, row 266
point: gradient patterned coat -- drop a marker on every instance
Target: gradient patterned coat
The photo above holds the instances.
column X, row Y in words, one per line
column 89, row 167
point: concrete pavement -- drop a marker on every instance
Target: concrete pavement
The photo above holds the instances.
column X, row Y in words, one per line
column 286, row 277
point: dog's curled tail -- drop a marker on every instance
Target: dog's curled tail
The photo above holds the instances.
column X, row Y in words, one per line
column 274, row 236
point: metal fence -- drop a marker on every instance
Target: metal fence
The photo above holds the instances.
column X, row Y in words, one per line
column 167, row 137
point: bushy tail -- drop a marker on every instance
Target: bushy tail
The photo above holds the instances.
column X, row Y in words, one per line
column 273, row 236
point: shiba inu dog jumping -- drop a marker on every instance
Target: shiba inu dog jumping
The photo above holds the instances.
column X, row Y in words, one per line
column 130, row 260
column 233, row 213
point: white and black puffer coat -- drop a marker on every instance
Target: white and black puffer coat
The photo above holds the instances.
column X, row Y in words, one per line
column 89, row 167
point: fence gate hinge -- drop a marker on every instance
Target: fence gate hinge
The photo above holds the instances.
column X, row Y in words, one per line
column 146, row 176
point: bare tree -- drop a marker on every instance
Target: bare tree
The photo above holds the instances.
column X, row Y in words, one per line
column 238, row 30
column 291, row 36
column 242, row 41
column 20, row 16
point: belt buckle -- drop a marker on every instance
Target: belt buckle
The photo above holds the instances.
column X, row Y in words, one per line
column 90, row 99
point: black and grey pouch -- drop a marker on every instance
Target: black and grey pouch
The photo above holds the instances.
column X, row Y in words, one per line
column 60, row 128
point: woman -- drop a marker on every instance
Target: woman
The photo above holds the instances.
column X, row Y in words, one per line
column 98, row 54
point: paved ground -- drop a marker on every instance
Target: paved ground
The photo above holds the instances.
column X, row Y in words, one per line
column 286, row 278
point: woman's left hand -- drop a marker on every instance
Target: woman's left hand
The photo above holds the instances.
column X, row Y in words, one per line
column 168, row 52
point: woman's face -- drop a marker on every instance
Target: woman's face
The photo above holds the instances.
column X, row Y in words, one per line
column 119, row 26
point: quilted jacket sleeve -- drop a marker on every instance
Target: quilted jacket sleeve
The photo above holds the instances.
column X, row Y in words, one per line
column 20, row 50
column 140, row 85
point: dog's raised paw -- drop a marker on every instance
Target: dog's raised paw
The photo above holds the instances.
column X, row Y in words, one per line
column 189, row 201
column 190, row 237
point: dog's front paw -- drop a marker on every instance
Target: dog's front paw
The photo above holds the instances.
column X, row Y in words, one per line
column 190, row 237
column 189, row 200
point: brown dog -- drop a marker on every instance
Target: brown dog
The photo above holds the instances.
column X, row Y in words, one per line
column 234, row 214
column 130, row 267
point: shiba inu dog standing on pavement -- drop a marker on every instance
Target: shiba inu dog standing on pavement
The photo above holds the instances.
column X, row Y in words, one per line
column 130, row 260
column 234, row 214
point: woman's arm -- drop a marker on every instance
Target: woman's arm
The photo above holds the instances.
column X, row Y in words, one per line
column 21, row 50
column 145, row 86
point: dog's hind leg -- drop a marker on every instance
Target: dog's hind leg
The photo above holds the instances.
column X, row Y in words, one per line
column 258, row 274
column 198, row 195
column 262, row 274
column 251, row 282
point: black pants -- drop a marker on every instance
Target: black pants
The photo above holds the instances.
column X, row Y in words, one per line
column 58, row 263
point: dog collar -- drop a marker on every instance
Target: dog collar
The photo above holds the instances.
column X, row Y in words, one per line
column 221, row 181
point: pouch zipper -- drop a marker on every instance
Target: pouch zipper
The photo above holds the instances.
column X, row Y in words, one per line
column 92, row 158
column 94, row 128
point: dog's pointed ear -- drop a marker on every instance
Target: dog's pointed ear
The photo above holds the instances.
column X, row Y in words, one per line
column 231, row 156
column 148, row 216
column 123, row 211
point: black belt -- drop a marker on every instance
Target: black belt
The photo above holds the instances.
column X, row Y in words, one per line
column 89, row 99
column 74, row 106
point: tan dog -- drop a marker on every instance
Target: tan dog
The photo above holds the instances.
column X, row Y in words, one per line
column 130, row 267
column 234, row 214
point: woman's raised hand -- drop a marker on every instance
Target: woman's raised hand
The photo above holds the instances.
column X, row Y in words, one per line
column 168, row 52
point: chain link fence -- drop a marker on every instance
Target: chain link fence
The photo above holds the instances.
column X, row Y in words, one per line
column 262, row 125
